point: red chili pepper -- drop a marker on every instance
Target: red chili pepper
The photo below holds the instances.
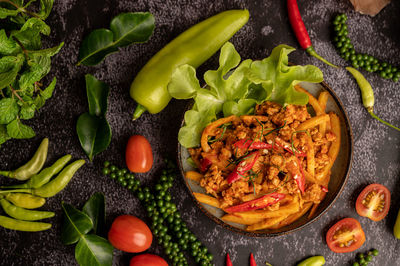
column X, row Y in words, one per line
column 205, row 163
column 252, row 260
column 286, row 146
column 324, row 189
column 252, row 145
column 256, row 204
column 243, row 167
column 300, row 180
column 301, row 32
column 228, row 260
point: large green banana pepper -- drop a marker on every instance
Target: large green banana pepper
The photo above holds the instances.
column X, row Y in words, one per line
column 193, row 47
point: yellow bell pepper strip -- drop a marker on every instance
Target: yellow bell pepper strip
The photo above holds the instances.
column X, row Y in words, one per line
column 193, row 47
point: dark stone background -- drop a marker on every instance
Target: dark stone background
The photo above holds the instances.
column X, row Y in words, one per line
column 376, row 156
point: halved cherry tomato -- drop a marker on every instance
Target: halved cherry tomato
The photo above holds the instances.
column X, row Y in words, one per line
column 129, row 233
column 373, row 202
column 345, row 236
column 138, row 156
column 148, row 260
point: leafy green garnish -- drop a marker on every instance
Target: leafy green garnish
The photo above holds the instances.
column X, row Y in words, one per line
column 125, row 29
column 23, row 64
column 91, row 248
column 236, row 87
column 93, row 129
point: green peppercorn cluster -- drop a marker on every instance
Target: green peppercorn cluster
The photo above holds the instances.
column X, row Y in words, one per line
column 167, row 225
column 367, row 62
column 365, row 258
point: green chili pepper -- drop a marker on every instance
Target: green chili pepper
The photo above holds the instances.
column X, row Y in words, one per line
column 367, row 95
column 24, row 214
column 396, row 229
column 60, row 182
column 33, row 166
column 313, row 261
column 18, row 225
column 193, row 47
column 26, row 201
column 45, row 175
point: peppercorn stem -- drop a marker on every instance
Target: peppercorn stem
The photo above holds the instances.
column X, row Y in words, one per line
column 140, row 109
column 382, row 121
column 311, row 51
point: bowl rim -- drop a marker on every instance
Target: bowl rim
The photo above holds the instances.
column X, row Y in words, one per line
column 316, row 217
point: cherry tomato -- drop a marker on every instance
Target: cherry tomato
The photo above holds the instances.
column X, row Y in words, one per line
column 148, row 260
column 130, row 234
column 373, row 202
column 345, row 236
column 138, row 156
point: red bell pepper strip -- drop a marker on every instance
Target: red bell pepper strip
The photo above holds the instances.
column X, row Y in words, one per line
column 301, row 32
column 324, row 189
column 243, row 167
column 205, row 164
column 252, row 145
column 228, row 260
column 300, row 179
column 252, row 260
column 256, row 204
column 286, row 146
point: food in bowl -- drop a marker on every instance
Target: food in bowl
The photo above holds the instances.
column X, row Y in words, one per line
column 268, row 169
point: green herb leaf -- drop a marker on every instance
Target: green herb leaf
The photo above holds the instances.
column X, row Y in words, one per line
column 39, row 67
column 29, row 34
column 3, row 134
column 9, row 67
column 95, row 208
column 45, row 94
column 8, row 110
column 94, row 134
column 7, row 46
column 5, row 12
column 126, row 29
column 27, row 111
column 17, row 130
column 97, row 93
column 47, row 52
column 93, row 250
column 45, row 8
column 75, row 225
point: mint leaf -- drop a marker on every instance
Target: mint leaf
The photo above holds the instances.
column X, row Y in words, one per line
column 3, row 134
column 39, row 67
column 27, row 111
column 4, row 12
column 8, row 110
column 45, row 94
column 29, row 34
column 47, row 52
column 7, row 46
column 45, row 8
column 9, row 67
column 17, row 130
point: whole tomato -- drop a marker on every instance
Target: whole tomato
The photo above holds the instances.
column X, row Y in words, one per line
column 129, row 233
column 138, row 156
column 148, row 260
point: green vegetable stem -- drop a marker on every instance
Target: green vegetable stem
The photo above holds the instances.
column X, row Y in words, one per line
column 26, row 226
column 193, row 47
column 23, row 214
column 33, row 166
column 367, row 95
column 313, row 261
column 60, row 182
column 93, row 129
column 125, row 29
column 45, row 175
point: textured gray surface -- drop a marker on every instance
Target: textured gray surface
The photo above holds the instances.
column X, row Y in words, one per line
column 376, row 156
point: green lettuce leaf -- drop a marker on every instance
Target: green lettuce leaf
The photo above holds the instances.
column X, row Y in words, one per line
column 236, row 87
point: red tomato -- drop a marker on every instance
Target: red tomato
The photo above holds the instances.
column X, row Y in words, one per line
column 345, row 236
column 148, row 260
column 373, row 202
column 130, row 234
column 138, row 156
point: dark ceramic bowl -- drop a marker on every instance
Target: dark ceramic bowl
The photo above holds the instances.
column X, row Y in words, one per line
column 339, row 175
